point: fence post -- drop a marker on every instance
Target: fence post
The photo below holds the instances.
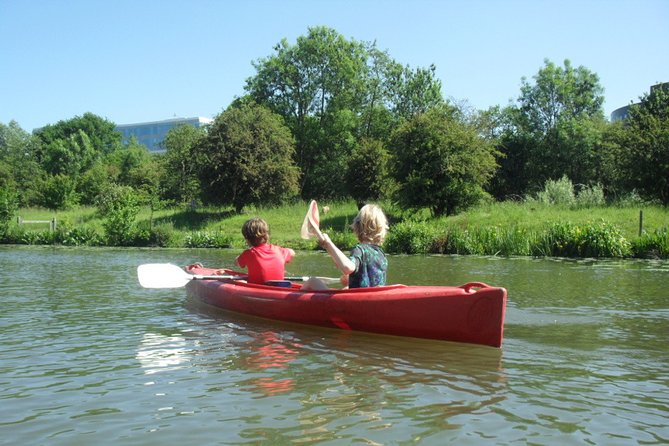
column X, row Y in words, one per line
column 640, row 222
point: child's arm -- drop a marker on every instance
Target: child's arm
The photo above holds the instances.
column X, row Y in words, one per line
column 343, row 263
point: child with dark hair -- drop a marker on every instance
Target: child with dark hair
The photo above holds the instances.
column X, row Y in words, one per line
column 264, row 261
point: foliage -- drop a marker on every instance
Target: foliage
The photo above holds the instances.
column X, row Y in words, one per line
column 440, row 162
column 410, row 237
column 119, row 206
column 590, row 196
column 180, row 160
column 58, row 192
column 69, row 156
column 653, row 245
column 367, row 172
column 247, row 159
column 102, row 133
column 18, row 166
column 558, row 192
column 590, row 240
column 561, row 193
column 555, row 130
column 8, row 207
column 92, row 182
column 331, row 92
column 645, row 140
column 204, row 239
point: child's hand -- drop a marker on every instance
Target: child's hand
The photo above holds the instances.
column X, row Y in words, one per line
column 344, row 279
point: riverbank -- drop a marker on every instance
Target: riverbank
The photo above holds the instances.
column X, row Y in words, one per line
column 505, row 229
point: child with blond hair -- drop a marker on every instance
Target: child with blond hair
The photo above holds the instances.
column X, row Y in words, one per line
column 367, row 264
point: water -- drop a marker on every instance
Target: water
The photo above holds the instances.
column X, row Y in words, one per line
column 89, row 357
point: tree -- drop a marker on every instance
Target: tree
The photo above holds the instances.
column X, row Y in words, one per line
column 367, row 172
column 18, row 163
column 8, row 207
column 332, row 92
column 309, row 84
column 181, row 143
column 247, row 158
column 556, row 128
column 646, row 140
column 441, row 162
column 119, row 206
column 69, row 156
column 414, row 91
column 102, row 133
column 58, row 192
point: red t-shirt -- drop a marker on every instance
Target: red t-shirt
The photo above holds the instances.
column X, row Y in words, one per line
column 265, row 262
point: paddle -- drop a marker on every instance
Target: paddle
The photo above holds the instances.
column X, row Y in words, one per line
column 167, row 275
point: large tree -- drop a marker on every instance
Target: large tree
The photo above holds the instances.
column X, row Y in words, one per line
column 556, row 128
column 332, row 92
column 441, row 162
column 182, row 183
column 645, row 141
column 310, row 84
column 247, row 158
column 101, row 132
column 19, row 169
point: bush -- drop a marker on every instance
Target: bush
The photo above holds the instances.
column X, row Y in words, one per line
column 203, row 239
column 119, row 206
column 558, row 192
column 654, row 246
column 8, row 207
column 590, row 196
column 80, row 236
column 591, row 240
column 410, row 238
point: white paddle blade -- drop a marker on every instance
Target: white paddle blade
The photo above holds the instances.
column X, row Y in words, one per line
column 162, row 275
column 311, row 222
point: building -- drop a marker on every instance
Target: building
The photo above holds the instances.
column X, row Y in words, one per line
column 152, row 134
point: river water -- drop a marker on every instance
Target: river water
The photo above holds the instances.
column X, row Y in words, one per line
column 89, row 357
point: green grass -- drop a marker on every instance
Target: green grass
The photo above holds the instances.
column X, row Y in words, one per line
column 508, row 228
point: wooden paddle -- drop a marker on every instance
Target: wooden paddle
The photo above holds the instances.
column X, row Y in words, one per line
column 168, row 275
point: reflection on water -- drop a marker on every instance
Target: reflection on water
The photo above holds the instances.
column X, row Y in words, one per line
column 89, row 357
column 158, row 353
column 267, row 350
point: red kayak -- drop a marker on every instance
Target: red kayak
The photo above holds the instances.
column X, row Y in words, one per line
column 471, row 313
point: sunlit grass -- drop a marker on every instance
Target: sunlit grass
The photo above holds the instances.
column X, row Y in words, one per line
column 508, row 228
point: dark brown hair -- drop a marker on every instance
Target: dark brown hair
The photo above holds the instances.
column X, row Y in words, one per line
column 256, row 231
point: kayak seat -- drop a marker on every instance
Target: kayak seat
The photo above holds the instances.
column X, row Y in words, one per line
column 280, row 283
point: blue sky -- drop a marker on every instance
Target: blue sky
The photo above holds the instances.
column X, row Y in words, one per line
column 135, row 61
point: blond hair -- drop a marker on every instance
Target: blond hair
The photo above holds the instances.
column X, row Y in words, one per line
column 370, row 225
column 256, row 231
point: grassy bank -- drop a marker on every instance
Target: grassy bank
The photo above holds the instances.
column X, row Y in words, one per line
column 507, row 228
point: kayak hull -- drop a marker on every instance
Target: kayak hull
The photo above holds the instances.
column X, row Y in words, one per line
column 472, row 313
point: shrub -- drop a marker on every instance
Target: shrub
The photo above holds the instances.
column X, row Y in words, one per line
column 410, row 238
column 80, row 236
column 590, row 240
column 204, row 239
column 590, row 196
column 559, row 192
column 119, row 206
column 8, row 206
column 655, row 245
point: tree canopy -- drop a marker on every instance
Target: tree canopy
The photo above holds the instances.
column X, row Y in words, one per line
column 247, row 158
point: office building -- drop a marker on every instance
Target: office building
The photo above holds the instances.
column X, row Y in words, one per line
column 152, row 134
